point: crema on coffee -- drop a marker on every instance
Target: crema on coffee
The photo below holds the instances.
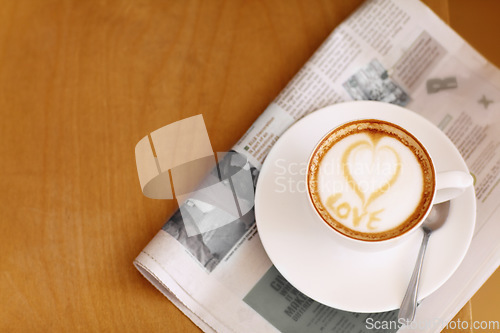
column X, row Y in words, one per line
column 371, row 180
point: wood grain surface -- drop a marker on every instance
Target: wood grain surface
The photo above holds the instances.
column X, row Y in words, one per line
column 81, row 82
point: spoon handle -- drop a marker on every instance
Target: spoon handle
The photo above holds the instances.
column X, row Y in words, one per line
column 409, row 304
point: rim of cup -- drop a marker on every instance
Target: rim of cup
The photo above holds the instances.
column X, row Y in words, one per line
column 367, row 241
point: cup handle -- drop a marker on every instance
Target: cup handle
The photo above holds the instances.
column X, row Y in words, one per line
column 450, row 184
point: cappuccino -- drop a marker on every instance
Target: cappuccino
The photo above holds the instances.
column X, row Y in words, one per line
column 371, row 180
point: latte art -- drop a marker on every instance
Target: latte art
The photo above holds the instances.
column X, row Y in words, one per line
column 371, row 180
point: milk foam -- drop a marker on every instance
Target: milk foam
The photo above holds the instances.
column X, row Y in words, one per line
column 370, row 183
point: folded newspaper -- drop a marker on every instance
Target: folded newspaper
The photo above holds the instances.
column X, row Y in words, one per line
column 392, row 51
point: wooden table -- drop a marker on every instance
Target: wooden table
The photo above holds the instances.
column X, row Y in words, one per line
column 80, row 83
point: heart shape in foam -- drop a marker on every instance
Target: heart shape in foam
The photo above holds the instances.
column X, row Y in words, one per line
column 370, row 168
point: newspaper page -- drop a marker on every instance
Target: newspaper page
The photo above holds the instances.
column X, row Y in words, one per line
column 392, row 51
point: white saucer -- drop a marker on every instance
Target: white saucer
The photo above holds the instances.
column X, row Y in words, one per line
column 328, row 272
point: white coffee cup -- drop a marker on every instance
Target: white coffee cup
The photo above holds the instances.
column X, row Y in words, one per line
column 372, row 183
